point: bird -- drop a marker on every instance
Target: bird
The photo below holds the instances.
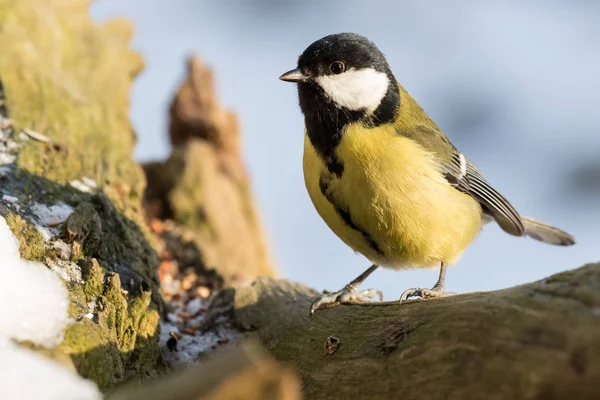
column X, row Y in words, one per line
column 384, row 177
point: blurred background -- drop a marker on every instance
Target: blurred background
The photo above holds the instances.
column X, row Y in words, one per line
column 515, row 85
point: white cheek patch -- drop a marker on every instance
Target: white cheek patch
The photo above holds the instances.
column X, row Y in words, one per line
column 356, row 89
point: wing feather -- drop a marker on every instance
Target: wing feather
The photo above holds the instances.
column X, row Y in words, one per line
column 462, row 174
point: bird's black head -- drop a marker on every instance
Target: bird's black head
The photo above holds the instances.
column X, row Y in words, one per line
column 342, row 79
column 348, row 73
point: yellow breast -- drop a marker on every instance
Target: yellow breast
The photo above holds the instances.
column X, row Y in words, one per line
column 403, row 213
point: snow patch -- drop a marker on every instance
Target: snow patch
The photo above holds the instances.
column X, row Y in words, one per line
column 68, row 271
column 7, row 158
column 27, row 375
column 65, row 251
column 10, row 199
column 7, row 146
column 182, row 338
column 48, row 218
column 195, row 305
column 85, row 184
column 189, row 348
column 49, row 215
column 4, row 171
column 33, row 301
column 89, row 182
column 33, row 307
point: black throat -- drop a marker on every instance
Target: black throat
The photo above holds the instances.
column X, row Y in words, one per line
column 326, row 122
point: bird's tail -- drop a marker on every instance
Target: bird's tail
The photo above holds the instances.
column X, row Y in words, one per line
column 546, row 233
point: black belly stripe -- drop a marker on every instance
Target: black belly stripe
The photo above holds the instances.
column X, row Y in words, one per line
column 345, row 215
column 347, row 218
column 335, row 166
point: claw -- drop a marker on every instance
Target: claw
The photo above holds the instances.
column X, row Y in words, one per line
column 412, row 292
column 424, row 293
column 324, row 301
column 344, row 296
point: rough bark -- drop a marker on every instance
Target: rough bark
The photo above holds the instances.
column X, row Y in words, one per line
column 536, row 341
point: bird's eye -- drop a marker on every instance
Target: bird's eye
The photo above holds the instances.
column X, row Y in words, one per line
column 337, row 67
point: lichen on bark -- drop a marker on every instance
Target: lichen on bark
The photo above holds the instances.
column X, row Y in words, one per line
column 68, row 79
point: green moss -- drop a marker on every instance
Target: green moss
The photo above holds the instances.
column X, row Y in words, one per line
column 82, row 102
column 95, row 356
column 121, row 340
column 146, row 341
column 78, row 304
column 124, row 313
column 93, row 276
column 31, row 242
column 69, row 79
column 138, row 308
column 112, row 295
column 81, row 294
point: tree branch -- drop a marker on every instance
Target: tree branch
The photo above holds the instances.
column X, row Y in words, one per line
column 535, row 341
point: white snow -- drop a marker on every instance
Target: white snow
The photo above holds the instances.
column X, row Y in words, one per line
column 65, row 250
column 51, row 214
column 7, row 158
column 27, row 375
column 172, row 318
column 80, row 186
column 33, row 306
column 45, row 232
column 89, row 182
column 47, row 218
column 33, row 300
column 85, row 184
column 191, row 345
column 60, row 272
column 4, row 170
column 67, row 270
column 195, row 305
column 9, row 199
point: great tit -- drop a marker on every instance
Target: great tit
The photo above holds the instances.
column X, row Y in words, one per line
column 382, row 174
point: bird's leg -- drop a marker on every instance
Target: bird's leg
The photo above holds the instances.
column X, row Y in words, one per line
column 349, row 294
column 438, row 290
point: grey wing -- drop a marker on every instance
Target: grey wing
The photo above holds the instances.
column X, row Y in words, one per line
column 462, row 174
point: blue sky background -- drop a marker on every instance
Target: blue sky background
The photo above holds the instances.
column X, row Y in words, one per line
column 514, row 84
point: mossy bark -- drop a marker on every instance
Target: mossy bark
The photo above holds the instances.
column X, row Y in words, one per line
column 68, row 79
column 536, row 341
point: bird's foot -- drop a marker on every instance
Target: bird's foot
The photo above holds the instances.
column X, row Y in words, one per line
column 344, row 296
column 424, row 293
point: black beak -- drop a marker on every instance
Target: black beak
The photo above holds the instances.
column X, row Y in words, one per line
column 294, row 75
